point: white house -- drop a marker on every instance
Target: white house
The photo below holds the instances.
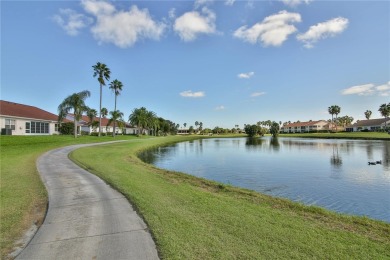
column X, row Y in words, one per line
column 369, row 125
column 19, row 119
column 107, row 127
column 306, row 127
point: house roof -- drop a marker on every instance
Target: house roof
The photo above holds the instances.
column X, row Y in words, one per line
column 308, row 123
column 371, row 122
column 19, row 110
column 85, row 121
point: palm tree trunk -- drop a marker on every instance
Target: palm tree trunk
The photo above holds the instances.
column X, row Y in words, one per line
column 113, row 132
column 100, row 109
column 75, row 126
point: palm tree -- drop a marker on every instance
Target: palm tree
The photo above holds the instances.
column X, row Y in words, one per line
column 196, row 124
column 368, row 114
column 116, row 115
column 334, row 110
column 91, row 113
column 337, row 110
column 116, row 87
column 103, row 72
column 385, row 111
column 75, row 102
column 104, row 112
column 139, row 118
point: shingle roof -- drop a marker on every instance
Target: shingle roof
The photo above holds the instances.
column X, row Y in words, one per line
column 19, row 110
column 371, row 122
column 86, row 121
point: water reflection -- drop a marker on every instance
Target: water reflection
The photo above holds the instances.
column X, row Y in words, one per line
column 328, row 173
column 335, row 159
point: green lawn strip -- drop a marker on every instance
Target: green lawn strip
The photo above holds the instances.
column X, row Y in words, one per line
column 23, row 197
column 193, row 218
column 342, row 135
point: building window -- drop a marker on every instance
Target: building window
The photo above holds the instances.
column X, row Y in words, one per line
column 10, row 124
column 56, row 127
column 28, row 127
column 39, row 128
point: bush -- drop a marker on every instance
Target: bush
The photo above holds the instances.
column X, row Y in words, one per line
column 97, row 134
column 66, row 128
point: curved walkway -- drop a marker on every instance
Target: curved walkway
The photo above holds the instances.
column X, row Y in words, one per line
column 86, row 218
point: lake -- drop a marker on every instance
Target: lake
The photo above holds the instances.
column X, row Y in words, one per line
column 333, row 174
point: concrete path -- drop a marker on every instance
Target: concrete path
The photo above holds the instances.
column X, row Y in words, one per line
column 86, row 218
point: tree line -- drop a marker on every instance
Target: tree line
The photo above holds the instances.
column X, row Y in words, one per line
column 139, row 117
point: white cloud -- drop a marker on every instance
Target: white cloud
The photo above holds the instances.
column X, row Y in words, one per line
column 191, row 24
column 246, row 75
column 294, row 3
column 199, row 3
column 172, row 13
column 361, row 90
column 191, row 94
column 122, row 28
column 384, row 90
column 273, row 30
column 220, row 108
column 98, row 8
column 71, row 21
column 323, row 30
column 257, row 94
column 229, row 2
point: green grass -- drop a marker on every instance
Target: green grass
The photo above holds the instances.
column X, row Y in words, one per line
column 23, row 197
column 192, row 218
column 343, row 135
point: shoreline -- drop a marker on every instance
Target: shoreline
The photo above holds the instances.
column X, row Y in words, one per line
column 210, row 188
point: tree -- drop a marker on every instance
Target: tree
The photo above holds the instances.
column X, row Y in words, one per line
column 75, row 102
column 185, row 124
column 103, row 72
column 200, row 126
column 104, row 112
column 196, row 124
column 143, row 118
column 274, row 129
column 116, row 116
column 252, row 130
column 368, row 114
column 334, row 110
column 116, row 87
column 385, row 111
column 91, row 113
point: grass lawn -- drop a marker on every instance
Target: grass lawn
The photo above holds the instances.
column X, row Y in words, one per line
column 23, row 197
column 192, row 218
column 343, row 135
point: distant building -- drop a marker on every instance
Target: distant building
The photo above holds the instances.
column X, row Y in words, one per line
column 306, row 127
column 19, row 119
column 369, row 125
column 107, row 127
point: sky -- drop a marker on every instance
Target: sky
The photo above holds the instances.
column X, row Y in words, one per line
column 222, row 63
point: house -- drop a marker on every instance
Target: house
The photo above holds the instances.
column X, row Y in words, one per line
column 107, row 126
column 369, row 125
column 306, row 127
column 19, row 119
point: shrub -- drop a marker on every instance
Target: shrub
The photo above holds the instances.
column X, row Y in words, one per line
column 66, row 128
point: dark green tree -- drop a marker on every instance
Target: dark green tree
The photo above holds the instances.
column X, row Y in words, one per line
column 75, row 102
column 274, row 129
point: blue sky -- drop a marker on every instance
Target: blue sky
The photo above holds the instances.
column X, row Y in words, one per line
column 222, row 63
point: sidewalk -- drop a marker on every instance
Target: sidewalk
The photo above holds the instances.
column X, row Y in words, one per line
column 86, row 218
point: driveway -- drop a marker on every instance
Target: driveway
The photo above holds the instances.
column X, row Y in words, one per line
column 86, row 218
